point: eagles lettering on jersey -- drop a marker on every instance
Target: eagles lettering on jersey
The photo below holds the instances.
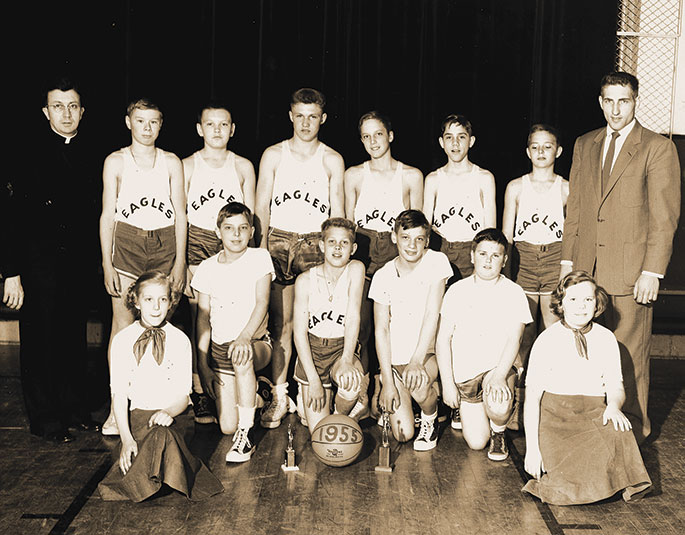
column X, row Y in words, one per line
column 377, row 214
column 439, row 219
column 327, row 315
column 298, row 195
column 150, row 204
column 211, row 194
column 545, row 221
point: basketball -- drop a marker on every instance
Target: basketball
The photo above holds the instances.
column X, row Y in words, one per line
column 337, row 440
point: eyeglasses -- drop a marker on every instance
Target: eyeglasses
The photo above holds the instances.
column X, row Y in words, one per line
column 58, row 107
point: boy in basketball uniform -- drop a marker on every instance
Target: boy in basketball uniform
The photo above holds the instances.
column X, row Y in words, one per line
column 300, row 185
column 376, row 191
column 459, row 200
column 143, row 225
column 533, row 221
column 233, row 298
column 481, row 322
column 407, row 292
column 459, row 197
column 214, row 176
column 326, row 325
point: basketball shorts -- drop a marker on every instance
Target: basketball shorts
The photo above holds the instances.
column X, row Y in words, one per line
column 374, row 249
column 221, row 362
column 136, row 251
column 293, row 253
column 398, row 369
column 539, row 266
column 325, row 353
column 471, row 391
column 459, row 255
column 202, row 244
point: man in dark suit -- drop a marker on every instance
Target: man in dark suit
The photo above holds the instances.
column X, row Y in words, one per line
column 622, row 213
column 55, row 207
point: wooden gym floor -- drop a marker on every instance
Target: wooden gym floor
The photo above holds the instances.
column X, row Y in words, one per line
column 46, row 489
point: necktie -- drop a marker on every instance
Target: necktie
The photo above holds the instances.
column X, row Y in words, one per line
column 609, row 160
column 157, row 336
column 579, row 337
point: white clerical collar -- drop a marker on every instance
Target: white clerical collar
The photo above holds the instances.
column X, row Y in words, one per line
column 67, row 139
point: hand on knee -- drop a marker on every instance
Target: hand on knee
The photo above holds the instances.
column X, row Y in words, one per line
column 351, row 393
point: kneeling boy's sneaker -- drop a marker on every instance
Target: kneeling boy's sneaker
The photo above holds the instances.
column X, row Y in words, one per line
column 202, row 408
column 427, row 438
column 277, row 410
column 498, row 450
column 456, row 419
column 243, row 446
column 264, row 395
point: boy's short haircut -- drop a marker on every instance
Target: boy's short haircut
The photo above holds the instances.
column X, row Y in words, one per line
column 490, row 234
column 542, row 127
column 307, row 95
column 149, row 277
column 456, row 119
column 231, row 209
column 571, row 279
column 212, row 105
column 620, row 78
column 143, row 104
column 378, row 116
column 339, row 222
column 409, row 219
column 61, row 83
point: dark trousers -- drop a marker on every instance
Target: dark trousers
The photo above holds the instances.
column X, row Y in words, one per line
column 53, row 350
column 632, row 325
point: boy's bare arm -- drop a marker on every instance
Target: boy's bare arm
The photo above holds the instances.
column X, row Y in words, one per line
column 247, row 178
column 110, row 175
column 262, row 293
column 352, row 185
column 178, row 200
column 265, row 189
column 511, row 202
column 429, row 193
column 353, row 311
column 335, row 165
column 415, row 374
column 188, row 168
column 413, row 182
column 301, row 326
column 389, row 398
column 443, row 351
column 497, row 387
column 488, row 190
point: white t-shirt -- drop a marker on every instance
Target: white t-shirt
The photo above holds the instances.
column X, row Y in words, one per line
column 232, row 291
column 407, row 296
column 481, row 316
column 556, row 367
column 149, row 385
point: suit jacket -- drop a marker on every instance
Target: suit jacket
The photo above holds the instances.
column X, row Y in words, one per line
column 629, row 228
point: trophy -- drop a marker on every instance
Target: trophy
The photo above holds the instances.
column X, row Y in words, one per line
column 289, row 462
column 384, row 449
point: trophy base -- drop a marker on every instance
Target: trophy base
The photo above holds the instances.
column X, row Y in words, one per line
column 287, row 468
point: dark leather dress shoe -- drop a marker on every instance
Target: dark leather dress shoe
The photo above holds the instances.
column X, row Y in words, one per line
column 59, row 437
column 84, row 425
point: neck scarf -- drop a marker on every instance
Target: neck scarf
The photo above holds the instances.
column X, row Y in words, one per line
column 579, row 337
column 157, row 336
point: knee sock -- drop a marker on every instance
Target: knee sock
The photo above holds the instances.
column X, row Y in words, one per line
column 497, row 428
column 280, row 390
column 429, row 417
column 245, row 417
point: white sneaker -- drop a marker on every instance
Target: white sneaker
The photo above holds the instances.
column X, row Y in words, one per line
column 110, row 428
column 242, row 448
column 360, row 410
column 427, row 438
column 277, row 410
